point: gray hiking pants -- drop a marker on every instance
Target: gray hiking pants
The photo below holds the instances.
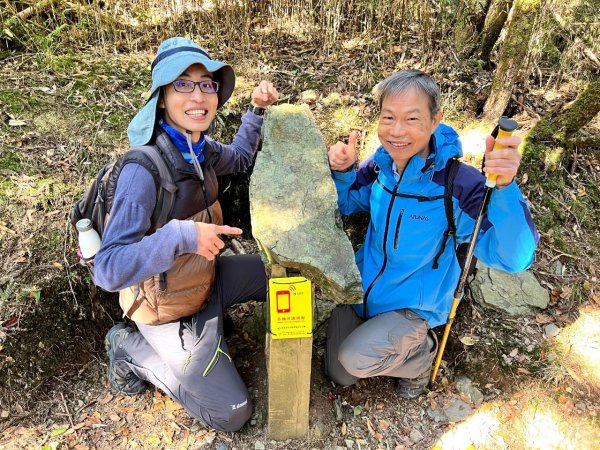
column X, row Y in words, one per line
column 188, row 358
column 396, row 344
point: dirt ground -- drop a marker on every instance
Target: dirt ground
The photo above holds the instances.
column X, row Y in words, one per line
column 62, row 117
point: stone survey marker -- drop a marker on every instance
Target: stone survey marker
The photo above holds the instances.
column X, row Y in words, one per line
column 293, row 204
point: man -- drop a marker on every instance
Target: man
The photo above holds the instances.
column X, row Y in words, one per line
column 409, row 269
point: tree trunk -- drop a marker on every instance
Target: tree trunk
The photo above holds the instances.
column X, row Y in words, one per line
column 512, row 57
column 28, row 12
column 574, row 116
column 581, row 43
column 494, row 21
column 550, row 144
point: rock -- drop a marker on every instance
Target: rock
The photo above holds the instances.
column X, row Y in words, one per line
column 259, row 446
column 196, row 426
column 227, row 252
column 255, row 324
column 514, row 293
column 551, row 330
column 221, row 446
column 415, row 435
column 349, row 443
column 308, row 96
column 337, row 409
column 557, row 268
column 318, row 430
column 465, row 387
column 293, row 205
column 455, row 412
column 437, row 415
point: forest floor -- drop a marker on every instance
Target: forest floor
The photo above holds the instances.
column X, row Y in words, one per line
column 62, row 117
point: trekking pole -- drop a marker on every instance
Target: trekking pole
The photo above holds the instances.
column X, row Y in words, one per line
column 504, row 128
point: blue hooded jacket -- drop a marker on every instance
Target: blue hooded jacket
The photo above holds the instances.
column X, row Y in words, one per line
column 407, row 226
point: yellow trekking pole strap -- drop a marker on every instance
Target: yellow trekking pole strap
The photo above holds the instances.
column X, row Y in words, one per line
column 504, row 128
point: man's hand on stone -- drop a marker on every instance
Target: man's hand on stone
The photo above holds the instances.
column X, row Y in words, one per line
column 503, row 162
column 209, row 243
column 264, row 95
column 343, row 156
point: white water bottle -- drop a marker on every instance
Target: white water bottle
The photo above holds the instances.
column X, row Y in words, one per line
column 89, row 239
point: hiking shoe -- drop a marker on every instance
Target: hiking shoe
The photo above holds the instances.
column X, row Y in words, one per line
column 121, row 378
column 411, row 388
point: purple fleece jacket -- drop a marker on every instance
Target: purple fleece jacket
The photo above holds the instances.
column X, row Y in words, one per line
column 127, row 256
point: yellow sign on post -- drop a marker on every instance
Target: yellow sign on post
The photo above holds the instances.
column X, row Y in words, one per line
column 290, row 307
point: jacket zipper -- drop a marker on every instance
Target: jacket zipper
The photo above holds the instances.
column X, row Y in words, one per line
column 215, row 359
column 398, row 228
column 385, row 235
column 199, row 172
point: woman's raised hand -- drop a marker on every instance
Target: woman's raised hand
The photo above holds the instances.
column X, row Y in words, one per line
column 264, row 95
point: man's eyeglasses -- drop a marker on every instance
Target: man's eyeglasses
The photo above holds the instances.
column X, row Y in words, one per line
column 188, row 86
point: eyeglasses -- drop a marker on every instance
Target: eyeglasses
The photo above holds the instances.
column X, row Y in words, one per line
column 188, row 86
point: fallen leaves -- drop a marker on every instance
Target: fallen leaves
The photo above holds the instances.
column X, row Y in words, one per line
column 4, row 228
column 469, row 340
column 543, row 319
column 107, row 398
column 11, row 322
column 148, row 417
column 61, row 429
column 372, row 432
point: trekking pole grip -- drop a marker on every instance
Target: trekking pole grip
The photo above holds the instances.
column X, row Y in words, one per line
column 504, row 129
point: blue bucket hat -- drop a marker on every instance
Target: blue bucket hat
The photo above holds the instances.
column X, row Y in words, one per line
column 174, row 56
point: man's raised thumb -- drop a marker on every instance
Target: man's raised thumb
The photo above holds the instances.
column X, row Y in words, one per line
column 352, row 140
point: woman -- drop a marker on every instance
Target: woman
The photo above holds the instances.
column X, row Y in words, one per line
column 171, row 282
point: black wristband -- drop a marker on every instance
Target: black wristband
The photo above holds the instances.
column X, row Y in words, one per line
column 256, row 110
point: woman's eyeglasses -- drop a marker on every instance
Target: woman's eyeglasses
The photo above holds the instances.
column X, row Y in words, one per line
column 188, row 86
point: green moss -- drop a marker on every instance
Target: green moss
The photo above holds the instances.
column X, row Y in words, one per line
column 586, row 207
column 582, row 110
column 17, row 101
column 119, row 120
column 7, row 190
column 552, row 53
column 62, row 64
column 554, row 208
column 562, row 245
column 10, row 161
column 48, row 242
column 336, row 123
column 545, row 222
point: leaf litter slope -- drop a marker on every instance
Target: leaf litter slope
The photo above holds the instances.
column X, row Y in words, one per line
column 68, row 117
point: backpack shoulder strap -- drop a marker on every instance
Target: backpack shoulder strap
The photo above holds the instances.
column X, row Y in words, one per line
column 167, row 188
column 451, row 170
